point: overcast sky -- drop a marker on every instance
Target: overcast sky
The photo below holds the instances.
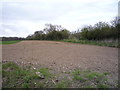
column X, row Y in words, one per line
column 23, row 17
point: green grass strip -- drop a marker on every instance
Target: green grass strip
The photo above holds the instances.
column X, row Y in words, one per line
column 98, row 43
column 9, row 42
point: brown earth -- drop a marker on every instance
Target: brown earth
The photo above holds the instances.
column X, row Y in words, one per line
column 63, row 56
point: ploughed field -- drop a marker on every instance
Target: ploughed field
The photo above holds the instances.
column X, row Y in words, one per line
column 63, row 56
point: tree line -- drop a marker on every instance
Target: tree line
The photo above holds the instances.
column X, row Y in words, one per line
column 11, row 38
column 99, row 31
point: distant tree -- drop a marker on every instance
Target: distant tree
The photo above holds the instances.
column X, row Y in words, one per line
column 49, row 28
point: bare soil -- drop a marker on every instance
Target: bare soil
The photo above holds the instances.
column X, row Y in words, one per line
column 63, row 56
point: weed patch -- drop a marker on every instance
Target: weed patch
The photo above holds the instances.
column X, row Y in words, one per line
column 15, row 76
column 45, row 72
column 86, row 78
column 63, row 84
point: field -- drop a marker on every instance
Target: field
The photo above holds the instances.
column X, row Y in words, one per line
column 9, row 42
column 59, row 64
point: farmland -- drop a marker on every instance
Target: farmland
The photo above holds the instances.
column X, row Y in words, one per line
column 62, row 64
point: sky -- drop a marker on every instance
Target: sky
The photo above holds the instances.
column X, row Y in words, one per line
column 23, row 17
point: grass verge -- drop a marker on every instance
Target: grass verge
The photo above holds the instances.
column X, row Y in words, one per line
column 99, row 43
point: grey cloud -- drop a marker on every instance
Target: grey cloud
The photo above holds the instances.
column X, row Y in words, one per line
column 69, row 13
column 33, row 11
column 50, row 11
column 13, row 30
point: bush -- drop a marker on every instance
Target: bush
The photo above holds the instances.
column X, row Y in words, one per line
column 52, row 32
